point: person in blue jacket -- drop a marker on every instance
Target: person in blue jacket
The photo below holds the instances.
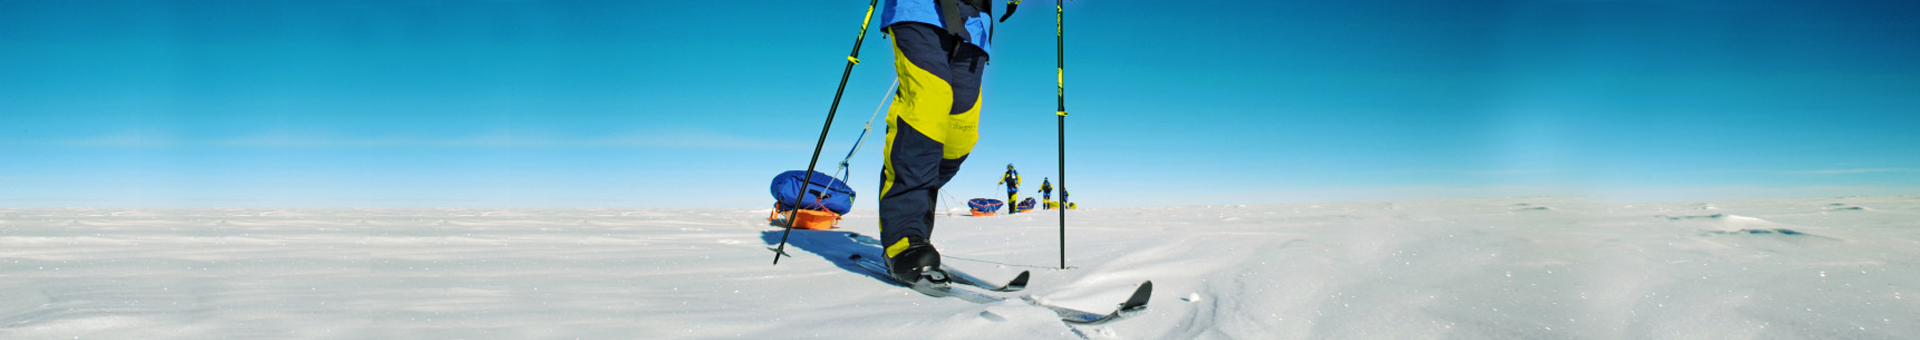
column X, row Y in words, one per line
column 940, row 50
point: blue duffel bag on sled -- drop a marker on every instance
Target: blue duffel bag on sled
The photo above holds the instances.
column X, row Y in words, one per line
column 984, row 206
column 821, row 203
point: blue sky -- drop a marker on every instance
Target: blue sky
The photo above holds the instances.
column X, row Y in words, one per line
column 699, row 103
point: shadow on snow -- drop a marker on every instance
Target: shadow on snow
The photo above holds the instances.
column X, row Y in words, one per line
column 834, row 245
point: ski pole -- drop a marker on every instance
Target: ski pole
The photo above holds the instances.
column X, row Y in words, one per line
column 807, row 180
column 1060, row 76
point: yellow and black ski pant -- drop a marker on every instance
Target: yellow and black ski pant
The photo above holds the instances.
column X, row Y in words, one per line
column 931, row 128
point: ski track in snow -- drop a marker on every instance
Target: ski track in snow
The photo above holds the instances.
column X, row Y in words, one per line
column 1508, row 268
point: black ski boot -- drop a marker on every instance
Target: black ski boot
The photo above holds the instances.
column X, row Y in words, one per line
column 917, row 262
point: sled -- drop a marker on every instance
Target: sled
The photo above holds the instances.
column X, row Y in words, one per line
column 821, row 202
column 984, row 206
column 805, row 219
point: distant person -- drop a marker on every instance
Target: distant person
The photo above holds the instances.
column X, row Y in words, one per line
column 1046, row 194
column 1012, row 180
column 940, row 50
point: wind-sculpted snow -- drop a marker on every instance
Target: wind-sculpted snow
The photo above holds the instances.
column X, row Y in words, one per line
column 1519, row 268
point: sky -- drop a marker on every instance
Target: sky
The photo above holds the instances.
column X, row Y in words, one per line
column 698, row 104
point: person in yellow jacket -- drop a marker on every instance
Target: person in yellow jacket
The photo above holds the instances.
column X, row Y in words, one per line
column 1012, row 180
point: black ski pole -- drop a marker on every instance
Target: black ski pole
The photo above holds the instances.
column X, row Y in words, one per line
column 807, row 180
column 1060, row 78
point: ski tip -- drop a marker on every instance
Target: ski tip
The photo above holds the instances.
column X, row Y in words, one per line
column 1139, row 298
column 1019, row 282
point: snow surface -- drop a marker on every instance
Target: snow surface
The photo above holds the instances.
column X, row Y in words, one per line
column 1513, row 268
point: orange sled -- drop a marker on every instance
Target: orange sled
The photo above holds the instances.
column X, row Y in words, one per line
column 806, row 219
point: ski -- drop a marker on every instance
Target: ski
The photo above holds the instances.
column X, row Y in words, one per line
column 934, row 289
column 1133, row 305
column 1018, row 283
column 944, row 290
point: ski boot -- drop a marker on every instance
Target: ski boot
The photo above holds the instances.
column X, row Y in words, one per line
column 918, row 265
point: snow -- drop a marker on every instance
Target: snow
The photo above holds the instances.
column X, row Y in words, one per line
column 1509, row 268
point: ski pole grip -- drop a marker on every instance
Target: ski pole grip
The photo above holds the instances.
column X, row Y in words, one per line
column 1011, row 5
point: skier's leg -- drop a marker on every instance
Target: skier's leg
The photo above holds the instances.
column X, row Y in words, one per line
column 967, row 65
column 962, row 120
column 915, row 133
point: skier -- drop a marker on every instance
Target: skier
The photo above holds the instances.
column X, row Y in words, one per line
column 1012, row 180
column 940, row 50
column 1046, row 194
